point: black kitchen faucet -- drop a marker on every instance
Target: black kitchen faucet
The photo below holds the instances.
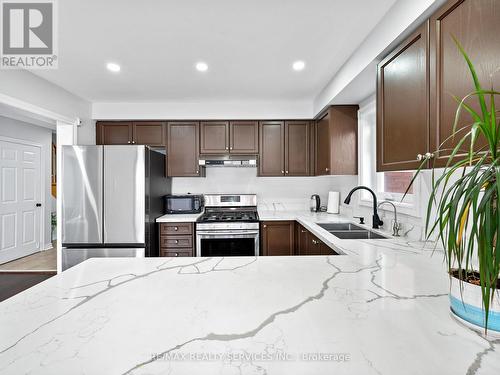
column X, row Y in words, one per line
column 376, row 219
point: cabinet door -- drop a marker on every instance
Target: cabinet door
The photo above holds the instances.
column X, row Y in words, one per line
column 402, row 101
column 297, row 148
column 475, row 24
column 244, row 137
column 312, row 148
column 271, row 145
column 278, row 238
column 182, row 149
column 149, row 133
column 323, row 155
column 302, row 240
column 114, row 133
column 318, row 247
column 214, row 137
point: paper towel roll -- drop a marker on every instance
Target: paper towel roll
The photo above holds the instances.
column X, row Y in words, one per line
column 333, row 202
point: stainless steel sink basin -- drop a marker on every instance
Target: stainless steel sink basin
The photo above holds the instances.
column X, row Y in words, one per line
column 357, row 235
column 340, row 226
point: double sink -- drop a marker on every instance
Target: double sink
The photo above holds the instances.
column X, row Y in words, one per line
column 349, row 231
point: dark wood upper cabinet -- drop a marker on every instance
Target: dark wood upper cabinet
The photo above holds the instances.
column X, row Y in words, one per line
column 182, row 149
column 214, row 137
column 235, row 137
column 272, row 148
column 285, row 148
column 244, row 137
column 278, row 238
column 323, row 145
column 113, row 133
column 151, row 133
column 476, row 25
column 337, row 141
column 297, row 148
column 403, row 104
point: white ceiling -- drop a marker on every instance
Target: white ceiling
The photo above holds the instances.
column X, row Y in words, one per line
column 248, row 45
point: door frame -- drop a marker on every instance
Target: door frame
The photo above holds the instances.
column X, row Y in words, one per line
column 43, row 214
column 66, row 132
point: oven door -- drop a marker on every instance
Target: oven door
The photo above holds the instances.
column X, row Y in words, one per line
column 227, row 243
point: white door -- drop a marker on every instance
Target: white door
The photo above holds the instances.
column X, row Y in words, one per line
column 20, row 192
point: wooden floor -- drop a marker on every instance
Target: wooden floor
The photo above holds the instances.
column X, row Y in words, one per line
column 41, row 261
column 12, row 282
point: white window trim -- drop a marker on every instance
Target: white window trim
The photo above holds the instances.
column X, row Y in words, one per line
column 368, row 109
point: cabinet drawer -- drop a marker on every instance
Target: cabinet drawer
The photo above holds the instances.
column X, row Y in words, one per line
column 176, row 228
column 177, row 253
column 176, row 241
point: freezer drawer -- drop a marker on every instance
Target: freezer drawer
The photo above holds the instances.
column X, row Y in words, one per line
column 124, row 194
column 82, row 184
column 72, row 256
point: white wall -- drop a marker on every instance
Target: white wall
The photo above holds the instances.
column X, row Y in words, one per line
column 402, row 16
column 285, row 192
column 206, row 110
column 30, row 88
column 37, row 134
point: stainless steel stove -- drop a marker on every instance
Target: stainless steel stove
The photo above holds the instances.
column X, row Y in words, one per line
column 229, row 226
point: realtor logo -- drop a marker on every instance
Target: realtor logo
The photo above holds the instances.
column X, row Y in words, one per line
column 28, row 34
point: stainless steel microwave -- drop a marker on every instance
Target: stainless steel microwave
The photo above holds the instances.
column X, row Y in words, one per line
column 183, row 204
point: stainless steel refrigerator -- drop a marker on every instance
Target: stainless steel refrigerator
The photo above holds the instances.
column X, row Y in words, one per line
column 111, row 196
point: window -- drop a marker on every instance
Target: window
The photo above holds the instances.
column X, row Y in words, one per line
column 389, row 186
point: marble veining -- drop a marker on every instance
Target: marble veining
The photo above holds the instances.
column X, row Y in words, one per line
column 382, row 308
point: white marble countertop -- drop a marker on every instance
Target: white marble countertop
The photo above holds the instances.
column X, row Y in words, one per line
column 380, row 309
column 178, row 218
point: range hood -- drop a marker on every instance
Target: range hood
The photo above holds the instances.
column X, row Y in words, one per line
column 228, row 161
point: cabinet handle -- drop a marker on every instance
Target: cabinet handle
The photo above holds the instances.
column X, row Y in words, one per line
column 226, row 148
column 128, row 142
column 176, row 241
column 286, row 172
column 176, row 228
column 197, row 172
column 315, row 242
column 420, row 157
column 303, row 231
column 265, row 226
column 176, row 254
column 282, row 172
column 231, row 147
column 429, row 155
column 327, row 169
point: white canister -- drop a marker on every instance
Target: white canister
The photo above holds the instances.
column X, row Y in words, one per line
column 333, row 202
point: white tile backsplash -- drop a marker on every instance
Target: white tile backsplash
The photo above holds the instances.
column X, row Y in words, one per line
column 274, row 193
column 289, row 193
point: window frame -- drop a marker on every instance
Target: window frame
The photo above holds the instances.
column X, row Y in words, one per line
column 367, row 128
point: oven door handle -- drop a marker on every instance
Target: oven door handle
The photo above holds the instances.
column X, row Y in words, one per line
column 235, row 233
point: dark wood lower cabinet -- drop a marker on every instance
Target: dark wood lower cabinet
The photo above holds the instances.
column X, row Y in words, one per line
column 278, row 238
column 308, row 244
column 290, row 238
column 177, row 240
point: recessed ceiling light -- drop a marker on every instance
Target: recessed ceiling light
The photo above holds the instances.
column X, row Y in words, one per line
column 298, row 65
column 201, row 66
column 112, row 67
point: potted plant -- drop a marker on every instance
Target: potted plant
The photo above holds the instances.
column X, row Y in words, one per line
column 463, row 208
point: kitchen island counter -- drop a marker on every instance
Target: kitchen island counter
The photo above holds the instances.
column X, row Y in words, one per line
column 383, row 309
